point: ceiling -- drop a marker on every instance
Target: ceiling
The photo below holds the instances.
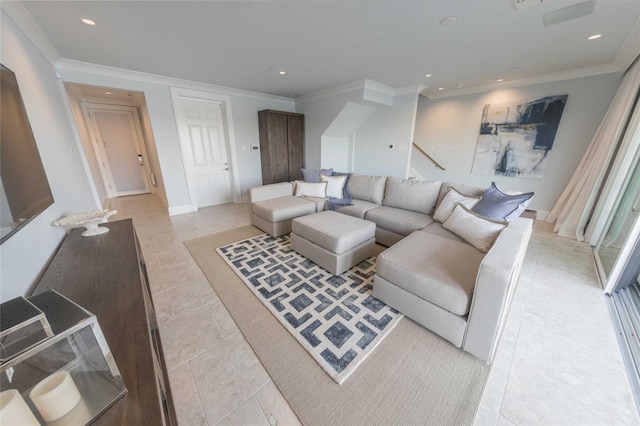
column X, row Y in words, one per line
column 323, row 44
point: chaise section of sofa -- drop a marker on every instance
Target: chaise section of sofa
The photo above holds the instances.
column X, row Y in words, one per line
column 451, row 288
column 274, row 206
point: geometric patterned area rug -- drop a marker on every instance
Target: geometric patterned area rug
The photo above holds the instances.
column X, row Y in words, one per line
column 334, row 317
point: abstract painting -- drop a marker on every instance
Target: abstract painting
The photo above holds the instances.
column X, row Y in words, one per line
column 516, row 137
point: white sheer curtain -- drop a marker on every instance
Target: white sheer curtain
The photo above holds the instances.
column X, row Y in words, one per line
column 573, row 208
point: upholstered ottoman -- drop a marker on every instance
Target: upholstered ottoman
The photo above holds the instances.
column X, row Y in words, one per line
column 333, row 240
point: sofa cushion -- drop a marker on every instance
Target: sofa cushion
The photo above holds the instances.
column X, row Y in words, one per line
column 469, row 190
column 367, row 188
column 335, row 185
column 358, row 208
column 434, row 268
column 310, row 175
column 436, row 229
column 266, row 192
column 473, row 228
column 283, row 208
column 409, row 194
column 450, row 200
column 397, row 220
column 309, row 189
column 497, row 205
column 319, row 202
column 333, row 231
column 347, row 193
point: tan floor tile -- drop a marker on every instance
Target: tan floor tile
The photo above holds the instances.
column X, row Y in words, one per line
column 226, row 375
column 163, row 279
column 223, row 318
column 188, row 335
column 163, row 308
column 275, row 407
column 191, row 295
column 247, row 414
column 185, row 397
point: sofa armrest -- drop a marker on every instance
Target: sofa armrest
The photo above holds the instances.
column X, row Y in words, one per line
column 495, row 285
column 267, row 192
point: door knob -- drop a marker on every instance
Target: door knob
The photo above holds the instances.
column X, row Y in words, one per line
column 226, row 168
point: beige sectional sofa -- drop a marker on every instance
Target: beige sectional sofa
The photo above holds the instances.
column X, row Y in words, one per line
column 429, row 273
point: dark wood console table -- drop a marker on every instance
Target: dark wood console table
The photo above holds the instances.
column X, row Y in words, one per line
column 106, row 275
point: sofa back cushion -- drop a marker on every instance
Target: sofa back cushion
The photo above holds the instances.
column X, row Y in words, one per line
column 468, row 190
column 367, row 188
column 415, row 195
column 477, row 230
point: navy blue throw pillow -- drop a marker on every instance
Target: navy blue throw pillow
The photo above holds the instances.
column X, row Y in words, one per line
column 497, row 205
column 314, row 175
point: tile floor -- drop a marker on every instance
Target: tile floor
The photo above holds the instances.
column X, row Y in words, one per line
column 558, row 363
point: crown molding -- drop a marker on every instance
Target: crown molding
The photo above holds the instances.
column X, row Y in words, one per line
column 415, row 89
column 630, row 48
column 372, row 91
column 333, row 91
column 610, row 68
column 20, row 16
column 78, row 66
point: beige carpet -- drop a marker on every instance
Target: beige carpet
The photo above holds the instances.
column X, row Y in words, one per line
column 413, row 376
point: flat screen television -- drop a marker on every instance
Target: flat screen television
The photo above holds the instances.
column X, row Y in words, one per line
column 24, row 188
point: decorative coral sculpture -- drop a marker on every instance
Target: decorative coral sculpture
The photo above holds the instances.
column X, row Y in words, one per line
column 89, row 220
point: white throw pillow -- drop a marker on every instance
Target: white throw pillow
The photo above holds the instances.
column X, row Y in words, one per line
column 477, row 230
column 335, row 185
column 309, row 189
column 449, row 202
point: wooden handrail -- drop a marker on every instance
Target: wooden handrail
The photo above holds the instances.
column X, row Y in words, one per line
column 429, row 157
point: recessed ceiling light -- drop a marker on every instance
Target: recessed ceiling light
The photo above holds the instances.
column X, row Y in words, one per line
column 460, row 86
column 513, row 68
column 283, row 72
column 107, row 93
column 427, row 75
column 500, row 80
column 88, row 21
column 595, row 36
column 449, row 20
column 440, row 88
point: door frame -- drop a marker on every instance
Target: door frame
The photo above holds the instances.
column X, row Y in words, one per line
column 178, row 93
column 105, row 169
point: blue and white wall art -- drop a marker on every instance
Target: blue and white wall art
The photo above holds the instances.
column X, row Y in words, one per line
column 516, row 137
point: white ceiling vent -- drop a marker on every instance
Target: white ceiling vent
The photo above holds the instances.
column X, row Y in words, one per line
column 517, row 4
column 569, row 13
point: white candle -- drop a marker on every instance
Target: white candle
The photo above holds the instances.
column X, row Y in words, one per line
column 14, row 411
column 55, row 396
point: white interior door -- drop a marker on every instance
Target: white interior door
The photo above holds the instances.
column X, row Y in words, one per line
column 204, row 150
column 119, row 147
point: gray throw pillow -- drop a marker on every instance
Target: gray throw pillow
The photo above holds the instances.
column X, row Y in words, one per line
column 314, row 175
column 497, row 205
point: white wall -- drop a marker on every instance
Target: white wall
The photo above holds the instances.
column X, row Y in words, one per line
column 85, row 139
column 245, row 124
column 386, row 125
column 448, row 130
column 157, row 94
column 152, row 151
column 25, row 254
column 319, row 114
column 389, row 125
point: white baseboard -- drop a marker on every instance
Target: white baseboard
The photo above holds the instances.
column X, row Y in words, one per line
column 186, row 208
column 542, row 214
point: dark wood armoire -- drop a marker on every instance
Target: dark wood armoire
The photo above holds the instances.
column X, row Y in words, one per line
column 281, row 145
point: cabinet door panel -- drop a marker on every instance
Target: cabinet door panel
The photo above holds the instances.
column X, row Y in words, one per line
column 295, row 138
column 278, row 148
